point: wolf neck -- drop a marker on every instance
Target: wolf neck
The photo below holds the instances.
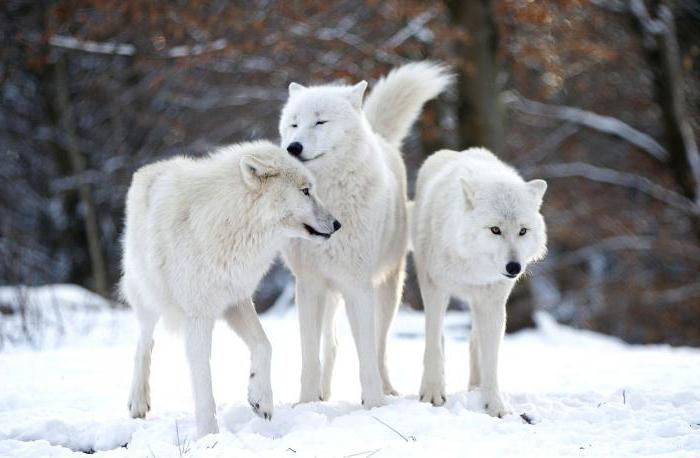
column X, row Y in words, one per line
column 357, row 158
column 241, row 226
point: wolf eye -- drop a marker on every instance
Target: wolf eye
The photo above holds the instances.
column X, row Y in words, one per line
column 294, row 125
column 523, row 231
column 305, row 191
column 318, row 123
column 495, row 230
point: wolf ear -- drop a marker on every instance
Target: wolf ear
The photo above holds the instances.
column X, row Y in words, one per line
column 295, row 88
column 256, row 170
column 357, row 92
column 537, row 189
column 469, row 196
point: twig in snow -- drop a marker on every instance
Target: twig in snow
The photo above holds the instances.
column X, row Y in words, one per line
column 366, row 453
column 184, row 447
column 413, row 438
column 527, row 419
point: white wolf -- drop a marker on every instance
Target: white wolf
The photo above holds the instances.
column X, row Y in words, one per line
column 200, row 233
column 354, row 155
column 475, row 227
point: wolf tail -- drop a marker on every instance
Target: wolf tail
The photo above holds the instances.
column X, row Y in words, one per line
column 396, row 101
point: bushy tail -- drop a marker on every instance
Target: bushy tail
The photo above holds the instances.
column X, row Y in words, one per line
column 397, row 99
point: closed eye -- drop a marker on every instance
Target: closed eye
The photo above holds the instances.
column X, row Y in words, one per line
column 319, row 123
column 294, row 125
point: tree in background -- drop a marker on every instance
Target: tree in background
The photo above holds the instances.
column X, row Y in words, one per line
column 587, row 94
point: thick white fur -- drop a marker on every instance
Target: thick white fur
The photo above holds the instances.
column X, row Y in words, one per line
column 200, row 233
column 396, row 100
column 459, row 198
column 355, row 158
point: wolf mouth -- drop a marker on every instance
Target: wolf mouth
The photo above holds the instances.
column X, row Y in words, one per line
column 509, row 275
column 311, row 159
column 313, row 231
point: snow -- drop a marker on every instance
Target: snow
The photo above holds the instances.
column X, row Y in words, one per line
column 586, row 395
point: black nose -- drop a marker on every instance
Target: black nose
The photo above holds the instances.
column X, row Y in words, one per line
column 513, row 268
column 295, row 148
column 336, row 225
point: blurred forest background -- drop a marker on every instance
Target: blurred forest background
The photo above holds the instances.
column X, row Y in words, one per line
column 599, row 97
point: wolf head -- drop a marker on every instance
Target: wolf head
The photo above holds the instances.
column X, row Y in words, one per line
column 285, row 188
column 318, row 122
column 503, row 230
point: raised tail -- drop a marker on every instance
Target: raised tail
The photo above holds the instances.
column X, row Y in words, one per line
column 397, row 99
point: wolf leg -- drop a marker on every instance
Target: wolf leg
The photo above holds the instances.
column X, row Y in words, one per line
column 310, row 298
column 389, row 298
column 489, row 315
column 433, row 383
column 360, row 303
column 198, row 334
column 474, row 365
column 140, row 395
column 243, row 319
column 329, row 342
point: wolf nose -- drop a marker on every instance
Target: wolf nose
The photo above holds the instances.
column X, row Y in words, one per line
column 336, row 225
column 295, row 148
column 513, row 268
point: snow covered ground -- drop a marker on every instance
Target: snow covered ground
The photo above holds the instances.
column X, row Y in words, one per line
column 588, row 395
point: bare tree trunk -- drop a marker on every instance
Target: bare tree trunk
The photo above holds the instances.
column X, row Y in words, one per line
column 663, row 54
column 77, row 162
column 479, row 116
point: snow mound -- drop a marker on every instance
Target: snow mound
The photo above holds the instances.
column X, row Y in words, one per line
column 48, row 316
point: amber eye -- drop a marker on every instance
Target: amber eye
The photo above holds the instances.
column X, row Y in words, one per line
column 305, row 191
column 523, row 231
column 496, row 230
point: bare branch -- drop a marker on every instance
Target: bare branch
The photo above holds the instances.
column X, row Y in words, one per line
column 127, row 49
column 616, row 6
column 639, row 9
column 672, row 295
column 551, row 142
column 121, row 49
column 342, row 33
column 606, row 124
column 616, row 243
column 412, row 28
column 614, row 177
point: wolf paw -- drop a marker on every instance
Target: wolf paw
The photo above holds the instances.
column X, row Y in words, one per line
column 139, row 404
column 260, row 399
column 369, row 401
column 390, row 391
column 206, row 427
column 494, row 405
column 433, row 392
column 312, row 396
